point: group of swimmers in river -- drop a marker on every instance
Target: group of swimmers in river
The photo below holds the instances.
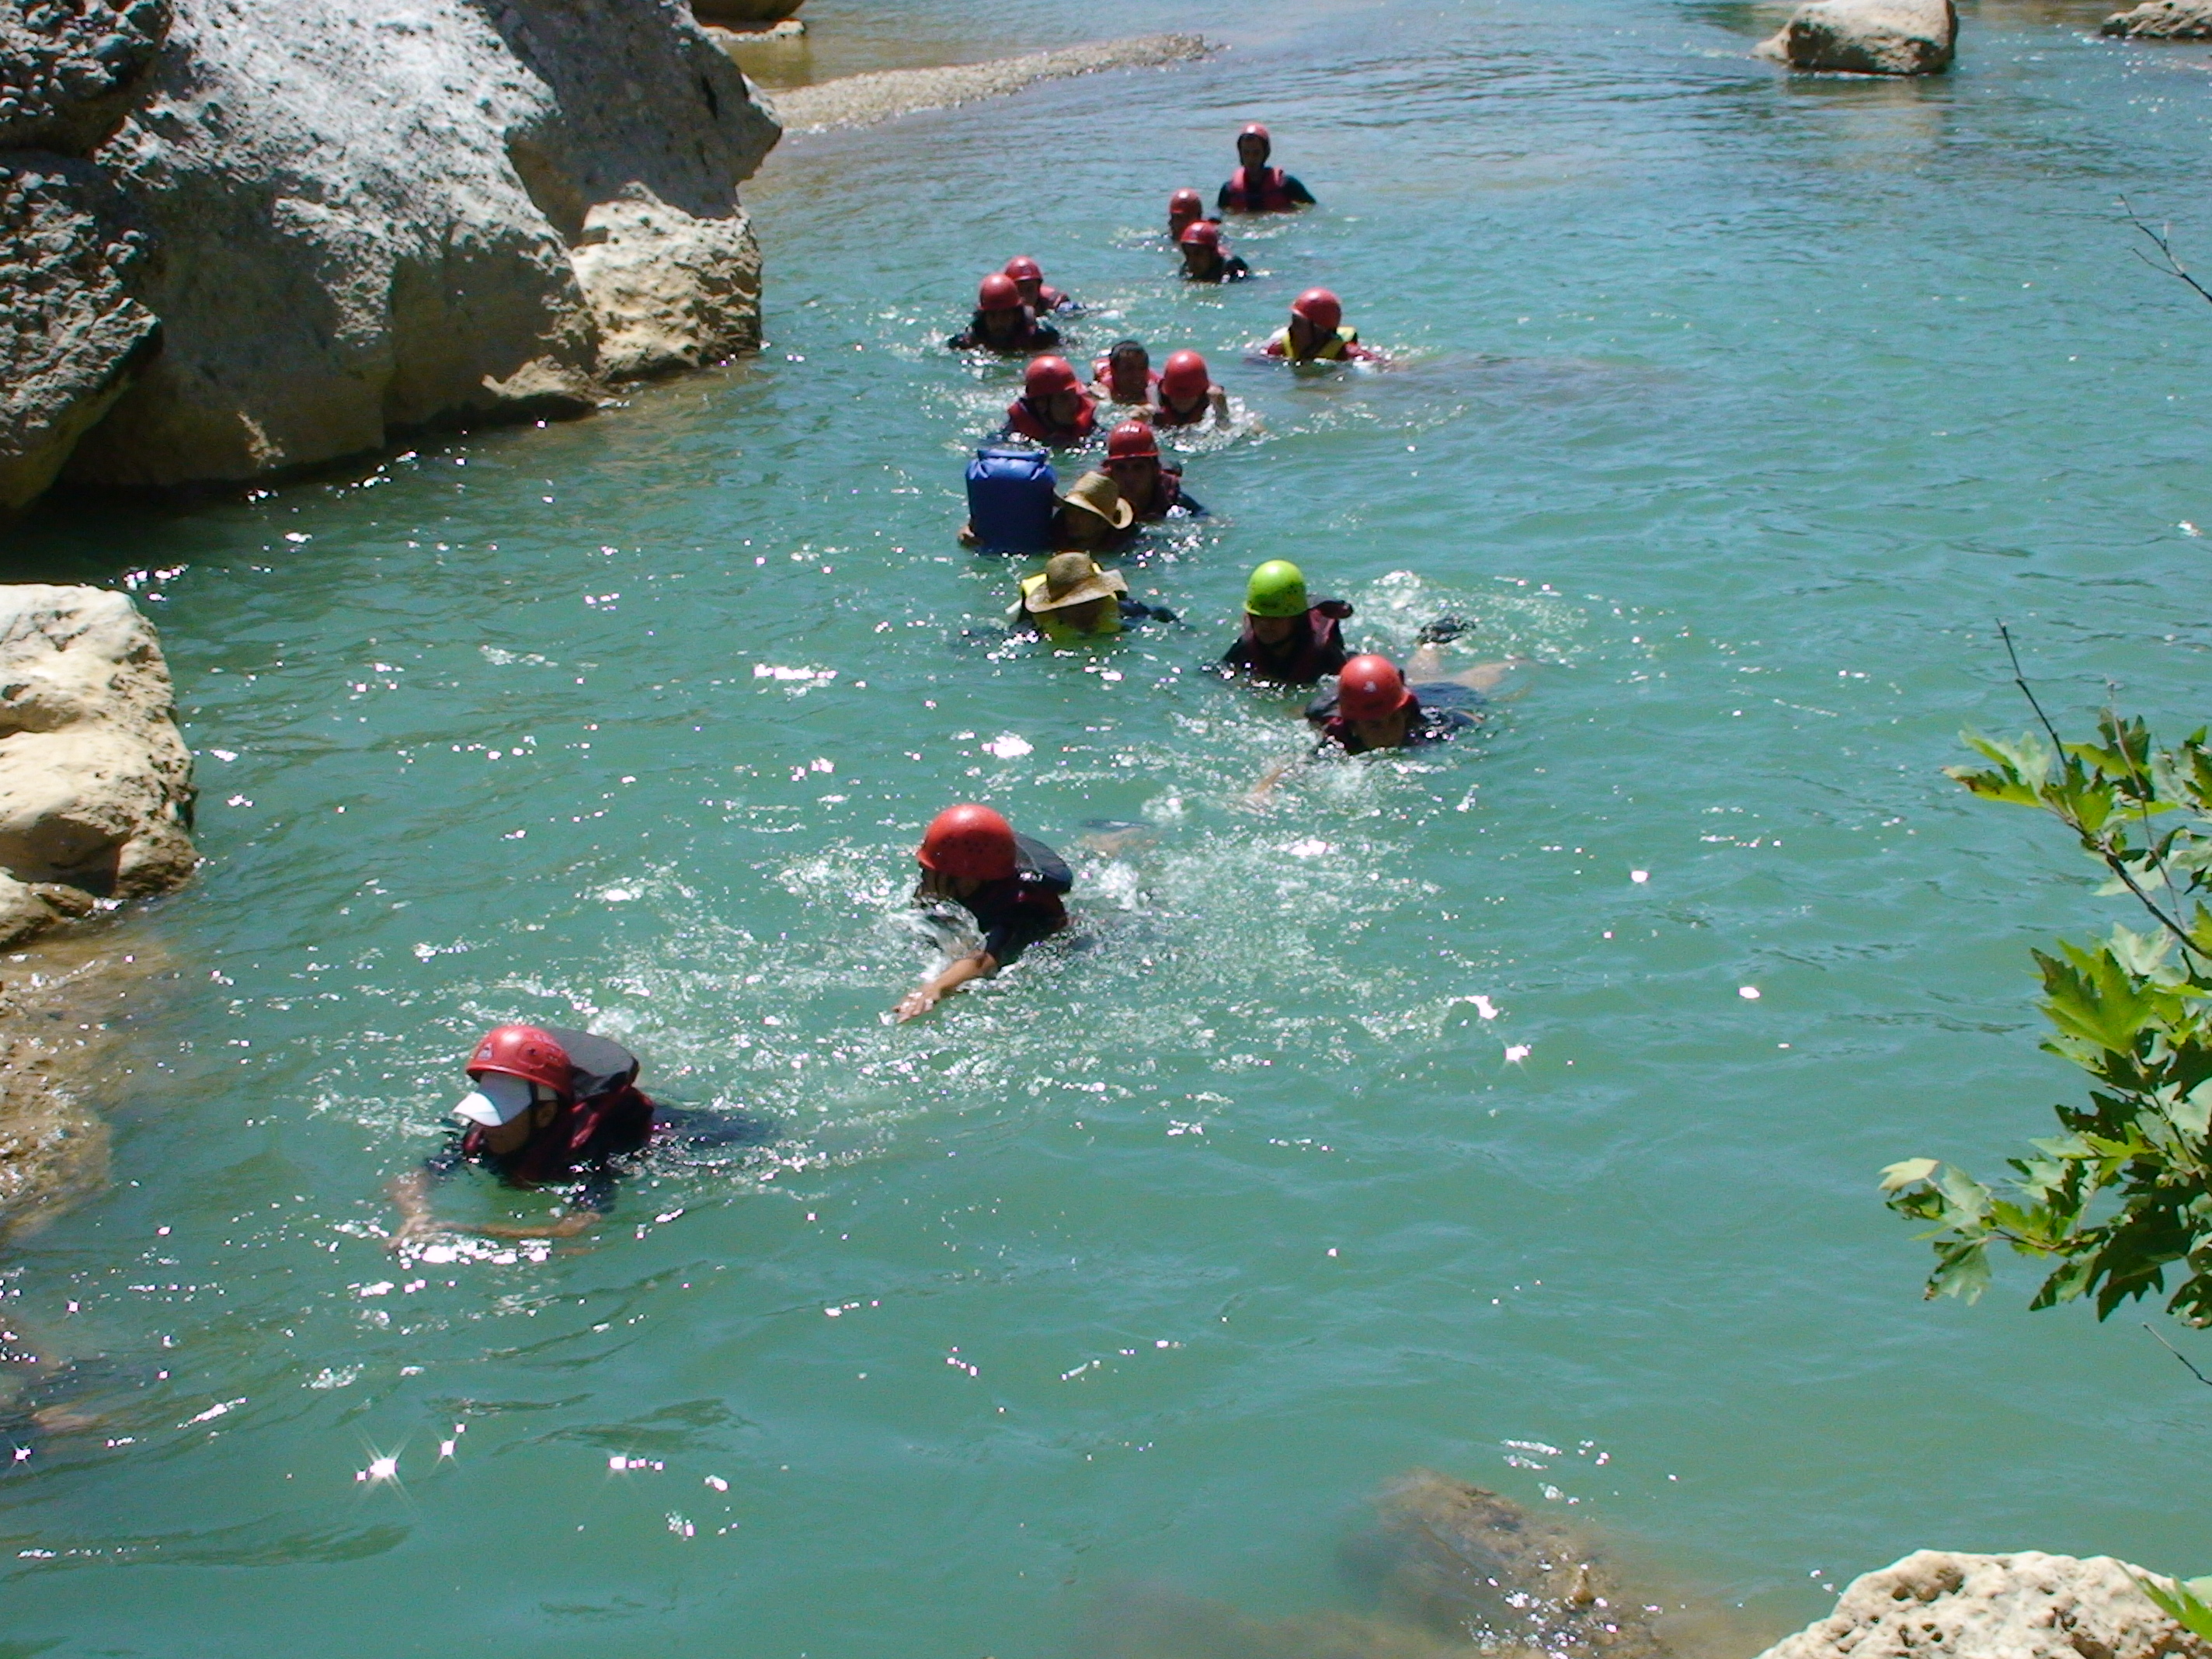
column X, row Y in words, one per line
column 562, row 1109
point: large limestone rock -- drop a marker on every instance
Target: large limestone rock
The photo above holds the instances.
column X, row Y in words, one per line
column 2027, row 1605
column 353, row 216
column 2163, row 19
column 96, row 784
column 1868, row 37
column 69, row 332
column 669, row 291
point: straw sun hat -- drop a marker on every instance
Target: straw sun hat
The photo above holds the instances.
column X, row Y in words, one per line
column 1074, row 578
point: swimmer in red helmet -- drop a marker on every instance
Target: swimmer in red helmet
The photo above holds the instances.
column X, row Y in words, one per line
column 1010, row 885
column 1124, row 375
column 551, row 1107
column 1003, row 323
column 1256, row 187
column 1152, row 490
column 1185, row 207
column 1205, row 257
column 1317, row 333
column 1037, row 295
column 1053, row 408
column 1373, row 706
column 1188, row 395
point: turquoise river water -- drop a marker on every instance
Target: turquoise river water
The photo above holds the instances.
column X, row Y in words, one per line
column 1394, row 1124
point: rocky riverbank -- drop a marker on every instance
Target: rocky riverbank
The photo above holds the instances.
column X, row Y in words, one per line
column 249, row 236
column 95, row 807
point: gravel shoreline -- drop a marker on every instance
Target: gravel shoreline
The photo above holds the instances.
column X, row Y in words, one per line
column 858, row 101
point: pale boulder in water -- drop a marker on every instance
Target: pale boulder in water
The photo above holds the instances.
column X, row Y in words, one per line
column 2163, row 19
column 2028, row 1605
column 670, row 291
column 1868, row 37
column 95, row 783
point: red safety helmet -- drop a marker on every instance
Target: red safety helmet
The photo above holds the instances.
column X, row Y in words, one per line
column 1132, row 440
column 1203, row 234
column 998, row 293
column 968, row 841
column 1186, row 200
column 1023, row 269
column 1320, row 307
column 1185, row 375
column 1047, row 375
column 525, row 1051
column 1370, row 687
column 1254, row 130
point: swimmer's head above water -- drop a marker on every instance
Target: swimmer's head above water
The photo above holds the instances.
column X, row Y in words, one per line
column 1372, row 699
column 1184, row 207
column 523, row 1077
column 964, row 847
column 1275, row 600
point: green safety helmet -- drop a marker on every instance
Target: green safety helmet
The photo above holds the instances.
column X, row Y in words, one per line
column 1277, row 588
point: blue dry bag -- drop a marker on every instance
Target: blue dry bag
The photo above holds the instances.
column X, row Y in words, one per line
column 1011, row 499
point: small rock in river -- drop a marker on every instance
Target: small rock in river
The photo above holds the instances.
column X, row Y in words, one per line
column 1868, row 37
column 2163, row 19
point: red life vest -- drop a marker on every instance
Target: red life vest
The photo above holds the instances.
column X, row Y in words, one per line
column 1269, row 194
column 1031, row 423
column 584, row 1131
column 1102, row 371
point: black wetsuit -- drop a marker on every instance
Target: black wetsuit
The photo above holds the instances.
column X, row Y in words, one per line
column 1313, row 650
column 1014, row 914
column 1040, row 335
column 1442, row 710
column 1227, row 268
column 1172, row 490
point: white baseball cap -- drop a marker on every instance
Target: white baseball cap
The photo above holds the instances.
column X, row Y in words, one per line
column 498, row 1099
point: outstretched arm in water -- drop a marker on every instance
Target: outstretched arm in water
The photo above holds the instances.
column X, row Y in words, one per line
column 411, row 1193
column 923, row 997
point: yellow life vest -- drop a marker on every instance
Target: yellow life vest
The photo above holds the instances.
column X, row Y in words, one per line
column 1053, row 625
column 1332, row 351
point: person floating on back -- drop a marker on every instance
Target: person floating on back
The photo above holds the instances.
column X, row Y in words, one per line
column 1010, row 885
column 1185, row 207
column 1053, row 408
column 1205, row 257
column 551, row 1107
column 1124, row 375
column 1288, row 638
column 1256, row 187
column 1002, row 323
column 1073, row 602
column 1317, row 334
column 1152, row 491
column 1038, row 295
column 1188, row 395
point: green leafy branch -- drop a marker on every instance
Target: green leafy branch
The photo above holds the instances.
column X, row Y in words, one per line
column 2121, row 1198
column 2186, row 1603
